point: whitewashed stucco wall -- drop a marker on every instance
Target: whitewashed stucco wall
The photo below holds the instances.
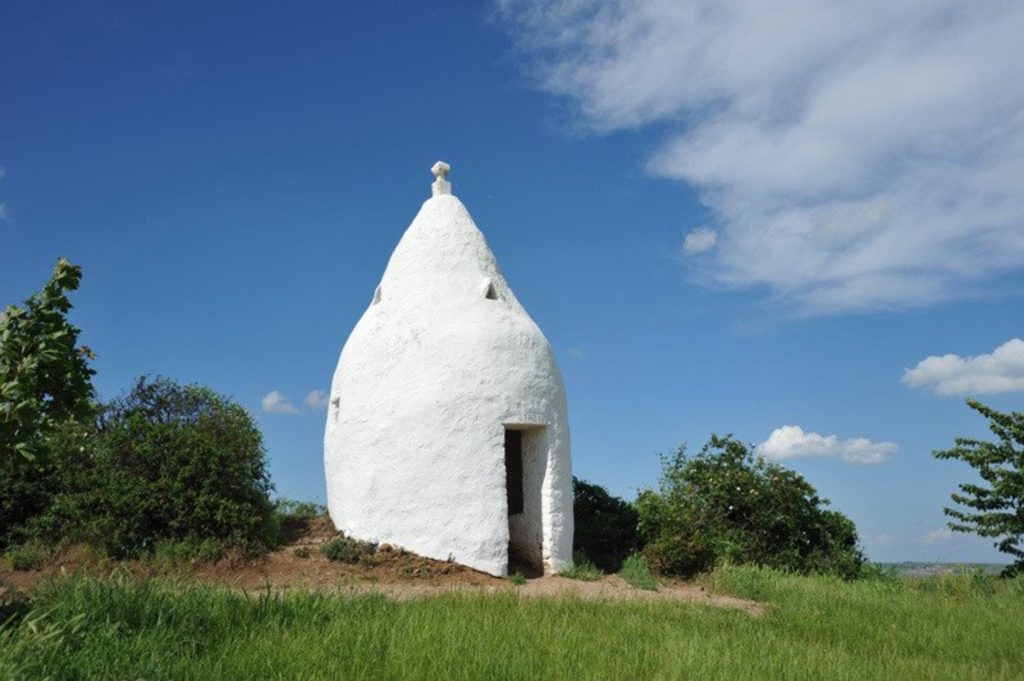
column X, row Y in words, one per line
column 427, row 381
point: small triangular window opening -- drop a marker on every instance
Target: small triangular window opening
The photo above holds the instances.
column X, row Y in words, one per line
column 490, row 293
column 376, row 296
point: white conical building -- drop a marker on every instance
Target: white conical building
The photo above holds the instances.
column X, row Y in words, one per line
column 447, row 432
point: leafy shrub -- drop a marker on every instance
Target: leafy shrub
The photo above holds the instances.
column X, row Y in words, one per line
column 637, row 572
column 606, row 526
column 517, row 578
column 582, row 569
column 877, row 572
column 289, row 509
column 346, row 550
column 726, row 505
column 301, row 551
column 172, row 553
column 164, row 463
column 291, row 518
column 45, row 381
column 29, row 556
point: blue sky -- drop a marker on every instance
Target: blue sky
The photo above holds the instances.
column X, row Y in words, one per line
column 724, row 222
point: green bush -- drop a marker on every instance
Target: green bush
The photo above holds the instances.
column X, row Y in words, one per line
column 346, row 550
column 291, row 518
column 726, row 505
column 29, row 556
column 291, row 510
column 165, row 463
column 637, row 572
column 172, row 553
column 606, row 526
column 45, row 382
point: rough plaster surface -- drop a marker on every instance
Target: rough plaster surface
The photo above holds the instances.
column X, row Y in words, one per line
column 429, row 379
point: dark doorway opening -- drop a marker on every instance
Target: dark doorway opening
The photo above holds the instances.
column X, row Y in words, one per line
column 525, row 464
column 514, row 470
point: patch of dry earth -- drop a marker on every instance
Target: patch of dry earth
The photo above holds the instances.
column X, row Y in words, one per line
column 396, row 573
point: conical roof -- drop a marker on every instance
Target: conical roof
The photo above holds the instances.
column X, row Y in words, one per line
column 442, row 259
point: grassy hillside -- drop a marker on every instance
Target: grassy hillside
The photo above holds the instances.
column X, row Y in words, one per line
column 952, row 627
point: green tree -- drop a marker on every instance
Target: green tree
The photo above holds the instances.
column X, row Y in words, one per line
column 995, row 508
column 45, row 381
column 726, row 504
column 605, row 529
column 163, row 463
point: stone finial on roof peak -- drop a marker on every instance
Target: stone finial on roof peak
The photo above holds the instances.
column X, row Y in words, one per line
column 441, row 185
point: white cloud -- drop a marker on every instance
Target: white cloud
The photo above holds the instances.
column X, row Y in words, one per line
column 3, row 211
column 3, row 172
column 276, row 403
column 791, row 442
column 577, row 353
column 1000, row 371
column 317, row 399
column 699, row 240
column 865, row 155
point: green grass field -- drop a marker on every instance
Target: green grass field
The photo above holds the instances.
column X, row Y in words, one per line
column 958, row 627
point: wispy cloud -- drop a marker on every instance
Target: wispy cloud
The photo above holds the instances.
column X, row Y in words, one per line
column 699, row 240
column 791, row 442
column 317, row 399
column 856, row 156
column 1000, row 371
column 276, row 403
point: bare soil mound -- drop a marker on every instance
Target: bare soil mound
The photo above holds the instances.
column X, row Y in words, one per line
column 397, row 573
